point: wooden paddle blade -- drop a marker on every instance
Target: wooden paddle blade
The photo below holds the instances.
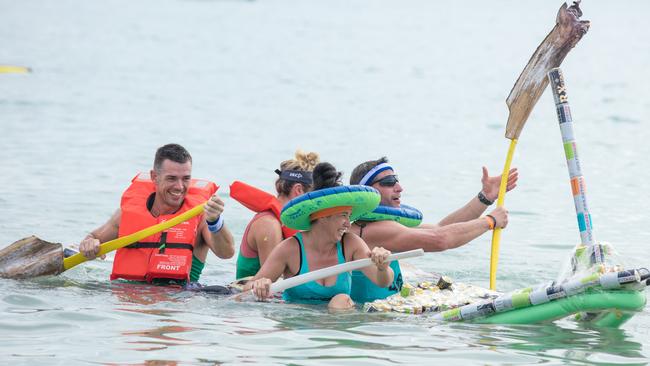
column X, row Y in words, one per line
column 530, row 85
column 31, row 257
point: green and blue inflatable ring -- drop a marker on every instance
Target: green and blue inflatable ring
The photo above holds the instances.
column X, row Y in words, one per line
column 405, row 215
column 363, row 199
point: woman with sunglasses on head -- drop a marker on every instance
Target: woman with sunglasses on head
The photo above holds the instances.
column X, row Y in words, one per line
column 265, row 230
column 324, row 215
column 390, row 231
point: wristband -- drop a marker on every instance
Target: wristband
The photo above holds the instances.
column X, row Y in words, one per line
column 484, row 200
column 492, row 222
column 215, row 226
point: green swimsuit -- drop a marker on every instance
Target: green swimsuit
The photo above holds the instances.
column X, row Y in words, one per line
column 313, row 292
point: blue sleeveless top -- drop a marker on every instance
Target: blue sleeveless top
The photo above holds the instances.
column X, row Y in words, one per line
column 313, row 292
column 364, row 290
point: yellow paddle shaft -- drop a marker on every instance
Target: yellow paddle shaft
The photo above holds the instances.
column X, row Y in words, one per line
column 10, row 69
column 118, row 243
column 496, row 234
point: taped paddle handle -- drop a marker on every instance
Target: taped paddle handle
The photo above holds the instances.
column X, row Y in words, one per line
column 118, row 243
column 281, row 285
column 578, row 189
column 496, row 234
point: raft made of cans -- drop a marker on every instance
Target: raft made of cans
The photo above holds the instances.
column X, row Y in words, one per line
column 432, row 296
column 607, row 299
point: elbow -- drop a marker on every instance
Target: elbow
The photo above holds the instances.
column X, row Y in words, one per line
column 227, row 253
column 226, row 250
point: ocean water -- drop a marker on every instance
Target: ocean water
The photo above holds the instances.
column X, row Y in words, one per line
column 242, row 85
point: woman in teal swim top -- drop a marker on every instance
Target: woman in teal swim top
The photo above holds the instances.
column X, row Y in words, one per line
column 324, row 243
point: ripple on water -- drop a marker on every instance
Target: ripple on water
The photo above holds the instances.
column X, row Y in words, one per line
column 26, row 327
column 623, row 119
column 23, row 300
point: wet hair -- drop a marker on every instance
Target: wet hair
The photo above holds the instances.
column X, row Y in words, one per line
column 326, row 176
column 303, row 162
column 173, row 152
column 362, row 169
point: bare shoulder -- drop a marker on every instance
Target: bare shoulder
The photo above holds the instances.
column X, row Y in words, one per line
column 266, row 222
column 352, row 239
column 355, row 247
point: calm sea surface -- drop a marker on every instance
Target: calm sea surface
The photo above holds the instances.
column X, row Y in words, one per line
column 242, row 85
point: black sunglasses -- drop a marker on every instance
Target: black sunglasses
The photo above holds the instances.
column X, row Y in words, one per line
column 387, row 181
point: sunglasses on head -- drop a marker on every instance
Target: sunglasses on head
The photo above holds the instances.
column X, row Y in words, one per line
column 387, row 181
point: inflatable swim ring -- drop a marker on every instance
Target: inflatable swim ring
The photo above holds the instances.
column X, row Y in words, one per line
column 363, row 199
column 405, row 215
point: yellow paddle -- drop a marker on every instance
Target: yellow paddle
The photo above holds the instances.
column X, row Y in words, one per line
column 530, row 85
column 118, row 243
column 31, row 257
column 10, row 69
column 496, row 234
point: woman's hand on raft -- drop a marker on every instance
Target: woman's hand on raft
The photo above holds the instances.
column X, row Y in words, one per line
column 213, row 208
column 261, row 288
column 379, row 257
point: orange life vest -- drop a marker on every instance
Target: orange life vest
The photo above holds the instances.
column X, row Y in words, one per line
column 257, row 200
column 164, row 255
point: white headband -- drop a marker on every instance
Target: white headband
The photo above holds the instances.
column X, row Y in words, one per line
column 370, row 176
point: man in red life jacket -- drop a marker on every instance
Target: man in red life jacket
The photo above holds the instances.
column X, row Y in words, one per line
column 180, row 252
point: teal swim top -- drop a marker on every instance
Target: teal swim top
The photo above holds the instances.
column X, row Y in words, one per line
column 364, row 290
column 313, row 292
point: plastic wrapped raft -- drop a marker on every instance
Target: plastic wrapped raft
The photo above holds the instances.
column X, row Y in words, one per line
column 433, row 296
column 604, row 299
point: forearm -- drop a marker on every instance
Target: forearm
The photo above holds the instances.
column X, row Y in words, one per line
column 458, row 234
column 385, row 277
column 473, row 209
column 381, row 278
column 222, row 243
column 106, row 232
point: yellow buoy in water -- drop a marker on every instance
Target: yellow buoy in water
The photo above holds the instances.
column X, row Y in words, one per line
column 9, row 69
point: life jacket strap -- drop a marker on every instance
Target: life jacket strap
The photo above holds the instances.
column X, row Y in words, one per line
column 140, row 245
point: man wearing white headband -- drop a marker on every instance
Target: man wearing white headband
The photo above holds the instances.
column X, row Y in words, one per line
column 456, row 229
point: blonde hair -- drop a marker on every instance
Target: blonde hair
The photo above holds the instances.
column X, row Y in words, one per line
column 303, row 161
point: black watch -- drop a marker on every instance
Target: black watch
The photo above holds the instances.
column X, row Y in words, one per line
column 484, row 200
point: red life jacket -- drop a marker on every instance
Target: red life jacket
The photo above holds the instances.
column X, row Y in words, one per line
column 164, row 255
column 257, row 200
